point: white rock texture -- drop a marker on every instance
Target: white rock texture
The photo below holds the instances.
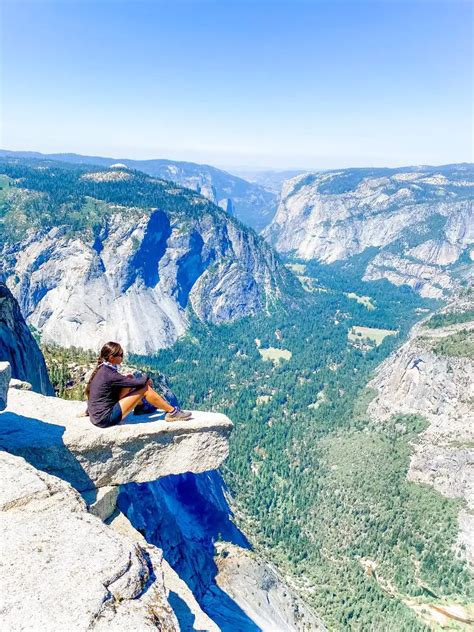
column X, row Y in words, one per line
column 102, row 502
column 184, row 602
column 135, row 283
column 63, row 569
column 20, row 385
column 415, row 380
column 417, row 223
column 48, row 433
column 261, row 593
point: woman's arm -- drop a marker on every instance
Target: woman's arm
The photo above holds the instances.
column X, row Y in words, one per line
column 116, row 379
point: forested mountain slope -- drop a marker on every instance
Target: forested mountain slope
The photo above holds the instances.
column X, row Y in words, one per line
column 415, row 225
column 320, row 486
column 250, row 202
column 319, row 482
column 94, row 254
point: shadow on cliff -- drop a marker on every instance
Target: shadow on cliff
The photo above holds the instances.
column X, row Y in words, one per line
column 41, row 444
column 185, row 515
column 185, row 616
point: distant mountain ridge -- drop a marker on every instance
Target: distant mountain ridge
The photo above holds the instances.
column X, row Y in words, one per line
column 419, row 221
column 94, row 254
column 250, row 202
column 270, row 179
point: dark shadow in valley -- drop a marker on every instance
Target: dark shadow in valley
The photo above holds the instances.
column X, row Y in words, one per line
column 185, row 515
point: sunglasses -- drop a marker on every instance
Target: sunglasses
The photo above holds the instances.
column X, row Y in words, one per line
column 118, row 355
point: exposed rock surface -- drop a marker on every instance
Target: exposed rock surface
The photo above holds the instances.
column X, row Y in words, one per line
column 63, row 569
column 135, row 281
column 252, row 203
column 261, row 593
column 20, row 385
column 48, row 433
column 418, row 220
column 50, row 530
column 5, row 373
column 188, row 611
column 18, row 347
column 127, row 582
column 440, row 388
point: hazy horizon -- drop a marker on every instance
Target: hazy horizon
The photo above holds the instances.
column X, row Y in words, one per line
column 264, row 85
column 238, row 170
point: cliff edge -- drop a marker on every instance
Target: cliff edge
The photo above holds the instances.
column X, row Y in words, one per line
column 51, row 435
column 63, row 567
column 19, row 348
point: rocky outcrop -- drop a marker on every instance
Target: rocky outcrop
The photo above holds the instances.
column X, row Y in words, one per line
column 18, row 347
column 419, row 379
column 5, row 374
column 152, row 565
column 261, row 593
column 418, row 221
column 64, row 569
column 50, row 435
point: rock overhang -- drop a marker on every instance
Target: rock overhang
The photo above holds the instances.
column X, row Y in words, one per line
column 51, row 435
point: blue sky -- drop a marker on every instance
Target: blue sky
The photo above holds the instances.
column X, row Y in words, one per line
column 289, row 83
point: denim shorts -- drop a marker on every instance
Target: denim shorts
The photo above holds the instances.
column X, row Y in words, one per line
column 115, row 416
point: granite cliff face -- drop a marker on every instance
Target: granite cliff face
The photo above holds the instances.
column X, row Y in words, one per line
column 152, row 564
column 18, row 347
column 250, row 202
column 136, row 275
column 63, row 567
column 418, row 221
column 432, row 375
column 5, row 376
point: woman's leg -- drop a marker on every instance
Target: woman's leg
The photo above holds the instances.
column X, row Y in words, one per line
column 129, row 398
column 157, row 401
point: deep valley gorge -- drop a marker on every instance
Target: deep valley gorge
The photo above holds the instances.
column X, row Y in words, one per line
column 332, row 322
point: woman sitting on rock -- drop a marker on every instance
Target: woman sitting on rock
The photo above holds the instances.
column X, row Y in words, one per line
column 112, row 396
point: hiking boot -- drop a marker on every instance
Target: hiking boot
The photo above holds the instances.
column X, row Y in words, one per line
column 178, row 415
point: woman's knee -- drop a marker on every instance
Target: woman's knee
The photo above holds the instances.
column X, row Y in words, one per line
column 130, row 392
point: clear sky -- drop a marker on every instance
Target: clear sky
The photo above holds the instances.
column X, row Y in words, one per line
column 281, row 83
